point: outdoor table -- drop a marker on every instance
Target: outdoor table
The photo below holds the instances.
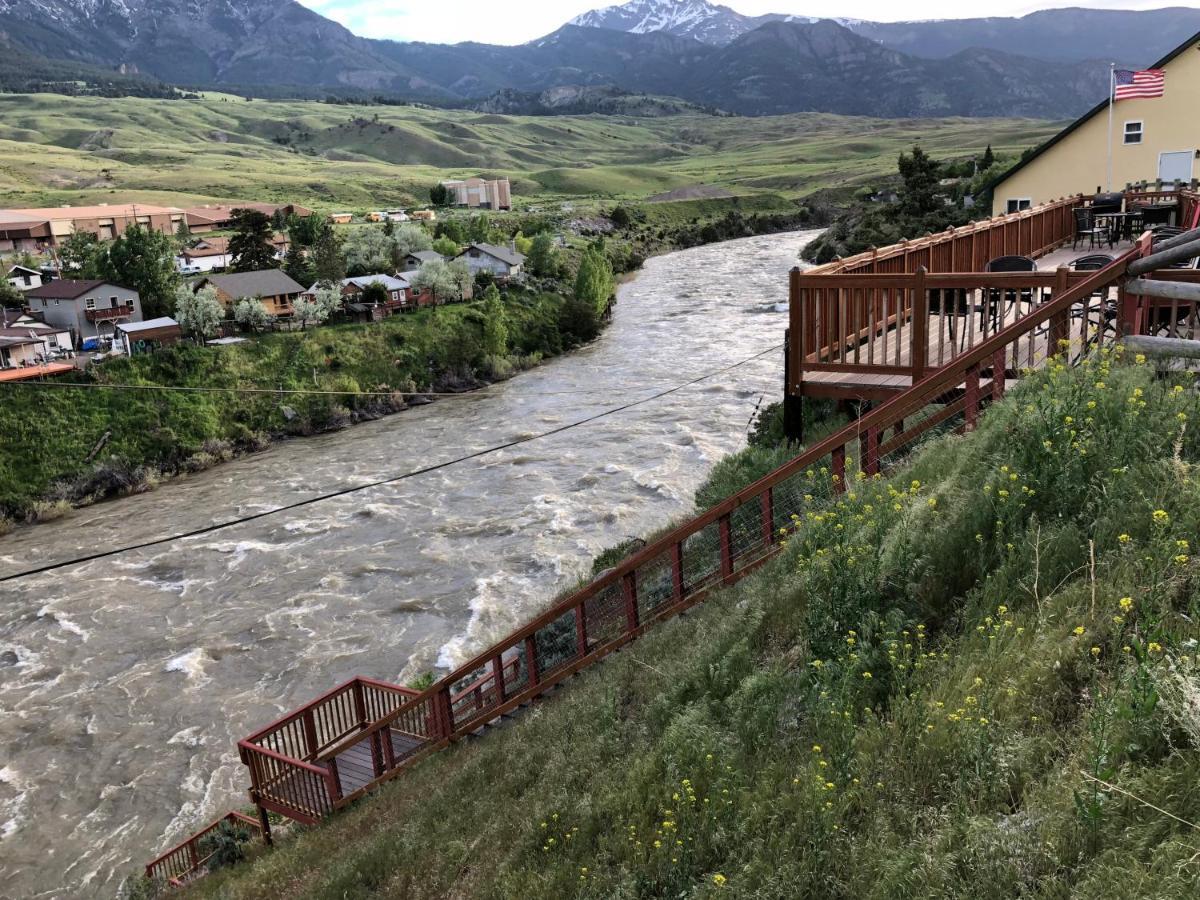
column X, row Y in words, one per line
column 1122, row 224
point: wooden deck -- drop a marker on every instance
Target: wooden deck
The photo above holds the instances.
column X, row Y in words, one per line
column 355, row 767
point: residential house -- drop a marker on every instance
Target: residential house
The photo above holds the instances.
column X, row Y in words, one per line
column 143, row 337
column 480, row 193
column 502, row 262
column 35, row 229
column 1152, row 138
column 352, row 289
column 90, row 310
column 274, row 287
column 211, row 254
column 418, row 259
column 24, row 278
column 418, row 297
column 57, row 339
column 213, row 217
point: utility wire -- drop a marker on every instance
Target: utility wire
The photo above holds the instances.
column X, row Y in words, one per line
column 342, row 492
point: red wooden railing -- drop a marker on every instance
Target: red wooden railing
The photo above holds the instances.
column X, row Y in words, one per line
column 185, row 861
column 672, row 573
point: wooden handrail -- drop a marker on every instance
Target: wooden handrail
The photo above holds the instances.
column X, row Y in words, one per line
column 195, row 862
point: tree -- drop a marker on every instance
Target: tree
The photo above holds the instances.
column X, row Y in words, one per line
column 374, row 293
column 495, row 323
column 297, row 266
column 542, row 257
column 620, row 217
column 183, row 234
column 440, row 195
column 307, row 231
column 317, row 307
column 453, row 229
column 411, row 239
column 460, row 274
column 9, row 295
column 436, row 277
column 989, row 159
column 199, row 313
column 279, row 220
column 920, row 173
column 328, row 265
column 595, row 283
column 79, row 255
column 522, row 243
column 251, row 315
column 446, row 247
column 143, row 260
column 368, row 251
column 250, row 247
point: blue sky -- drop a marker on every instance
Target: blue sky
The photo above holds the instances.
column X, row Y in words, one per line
column 517, row 21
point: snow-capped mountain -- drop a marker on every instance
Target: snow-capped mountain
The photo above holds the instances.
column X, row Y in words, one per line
column 698, row 19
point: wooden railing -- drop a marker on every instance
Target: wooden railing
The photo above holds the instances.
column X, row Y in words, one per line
column 679, row 570
column 188, row 859
column 1031, row 232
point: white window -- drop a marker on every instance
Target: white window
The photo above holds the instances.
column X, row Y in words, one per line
column 1133, row 132
column 1016, row 204
column 89, row 303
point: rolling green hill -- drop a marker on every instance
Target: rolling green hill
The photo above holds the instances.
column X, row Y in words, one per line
column 70, row 150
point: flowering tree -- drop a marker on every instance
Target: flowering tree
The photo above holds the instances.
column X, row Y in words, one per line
column 251, row 315
column 317, row 307
column 200, row 313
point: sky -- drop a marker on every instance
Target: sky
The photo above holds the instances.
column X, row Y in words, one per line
column 518, row 21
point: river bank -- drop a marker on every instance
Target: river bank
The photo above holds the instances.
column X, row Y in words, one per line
column 132, row 678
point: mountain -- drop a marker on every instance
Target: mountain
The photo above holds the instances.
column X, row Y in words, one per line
column 577, row 100
column 697, row 19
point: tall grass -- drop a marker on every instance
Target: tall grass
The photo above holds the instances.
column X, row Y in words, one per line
column 975, row 677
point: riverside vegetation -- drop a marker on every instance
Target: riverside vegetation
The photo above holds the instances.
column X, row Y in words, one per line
column 975, row 676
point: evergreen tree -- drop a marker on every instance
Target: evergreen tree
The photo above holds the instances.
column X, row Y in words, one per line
column 920, row 174
column 328, row 265
column 297, row 266
column 250, row 248
column 989, row 159
column 183, row 234
column 143, row 260
column 440, row 195
column 542, row 258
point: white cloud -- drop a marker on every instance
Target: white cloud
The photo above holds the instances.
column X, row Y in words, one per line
column 517, row 21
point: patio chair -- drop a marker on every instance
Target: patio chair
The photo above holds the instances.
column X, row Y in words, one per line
column 1011, row 297
column 1105, row 310
column 1093, row 263
column 1086, row 227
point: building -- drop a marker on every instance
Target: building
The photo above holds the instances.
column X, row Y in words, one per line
column 57, row 339
column 502, row 262
column 397, row 215
column 34, row 229
column 274, row 287
column 211, row 254
column 25, row 279
column 396, row 289
column 144, row 337
column 424, row 215
column 480, row 193
column 213, row 217
column 1152, row 139
column 341, row 218
column 418, row 259
column 87, row 309
column 418, row 297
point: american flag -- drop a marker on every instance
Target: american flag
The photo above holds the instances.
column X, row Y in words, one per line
column 1139, row 85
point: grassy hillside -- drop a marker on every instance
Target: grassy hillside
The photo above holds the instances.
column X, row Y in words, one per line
column 977, row 677
column 70, row 150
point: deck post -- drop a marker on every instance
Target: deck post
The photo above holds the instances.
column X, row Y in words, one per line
column 629, row 593
column 581, row 636
column 531, row 661
column 725, row 530
column 498, row 676
column 793, row 401
column 335, row 780
column 310, row 735
column 839, row 469
column 972, row 398
column 264, row 821
column 999, row 374
column 1058, row 322
column 869, row 464
column 360, row 704
column 768, row 516
column 919, row 333
column 677, row 582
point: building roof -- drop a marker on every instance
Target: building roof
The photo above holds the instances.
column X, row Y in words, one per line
column 263, row 283
column 426, row 256
column 504, row 254
column 148, row 325
column 15, row 337
column 24, row 269
column 389, row 282
column 103, row 211
column 216, row 213
column 1100, row 107
column 64, row 289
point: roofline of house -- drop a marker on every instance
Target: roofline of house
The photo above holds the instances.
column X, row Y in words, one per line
column 1086, row 117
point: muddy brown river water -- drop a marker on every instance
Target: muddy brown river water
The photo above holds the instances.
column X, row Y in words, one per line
column 126, row 682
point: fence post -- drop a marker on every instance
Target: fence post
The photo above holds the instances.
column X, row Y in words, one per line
column 310, row 735
column 725, row 530
column 581, row 638
column 360, row 703
column 999, row 374
column 972, row 397
column 919, row 333
column 335, row 780
column 839, row 469
column 1058, row 321
column 629, row 593
column 869, row 464
column 768, row 516
column 498, row 676
column 793, row 363
column 531, row 661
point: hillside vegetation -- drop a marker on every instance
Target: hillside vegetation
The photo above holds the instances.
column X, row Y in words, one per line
column 70, row 150
column 976, row 677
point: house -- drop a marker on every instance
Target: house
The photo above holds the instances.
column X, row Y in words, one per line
column 24, row 278
column 34, row 229
column 397, row 290
column 212, row 254
column 87, row 309
column 480, row 193
column 142, row 337
column 57, row 339
column 212, row 217
column 502, row 262
column 341, row 218
column 274, row 287
column 418, row 259
column 1152, row 139
column 419, row 297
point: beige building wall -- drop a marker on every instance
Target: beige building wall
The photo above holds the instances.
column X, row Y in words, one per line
column 1078, row 164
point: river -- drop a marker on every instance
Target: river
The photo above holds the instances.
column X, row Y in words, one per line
column 125, row 683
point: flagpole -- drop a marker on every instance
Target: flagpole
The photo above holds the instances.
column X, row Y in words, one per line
column 1112, row 83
